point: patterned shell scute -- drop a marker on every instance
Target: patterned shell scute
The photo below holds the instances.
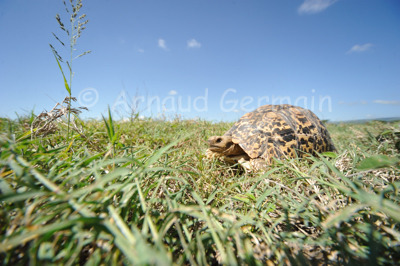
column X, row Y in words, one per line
column 280, row 131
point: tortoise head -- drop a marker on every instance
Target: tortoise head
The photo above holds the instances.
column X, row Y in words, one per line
column 224, row 145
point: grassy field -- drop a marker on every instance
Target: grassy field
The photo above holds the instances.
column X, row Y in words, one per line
column 143, row 192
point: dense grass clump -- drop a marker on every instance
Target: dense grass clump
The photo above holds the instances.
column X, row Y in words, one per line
column 143, row 192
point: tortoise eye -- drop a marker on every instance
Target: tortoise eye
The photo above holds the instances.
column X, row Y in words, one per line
column 219, row 140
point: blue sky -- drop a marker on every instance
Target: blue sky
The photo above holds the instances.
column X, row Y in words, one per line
column 204, row 58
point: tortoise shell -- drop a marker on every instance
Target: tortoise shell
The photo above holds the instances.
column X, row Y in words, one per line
column 280, row 131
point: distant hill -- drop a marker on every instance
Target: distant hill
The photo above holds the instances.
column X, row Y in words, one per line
column 362, row 121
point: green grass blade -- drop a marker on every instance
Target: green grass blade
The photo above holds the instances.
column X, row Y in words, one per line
column 38, row 231
column 62, row 72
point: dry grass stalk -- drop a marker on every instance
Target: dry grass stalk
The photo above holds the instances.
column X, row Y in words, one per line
column 48, row 123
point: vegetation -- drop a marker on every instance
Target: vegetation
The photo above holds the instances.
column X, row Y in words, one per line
column 77, row 26
column 142, row 192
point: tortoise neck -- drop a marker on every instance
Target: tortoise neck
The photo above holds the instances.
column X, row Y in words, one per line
column 235, row 149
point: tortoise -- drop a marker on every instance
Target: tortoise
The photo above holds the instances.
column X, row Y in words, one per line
column 271, row 131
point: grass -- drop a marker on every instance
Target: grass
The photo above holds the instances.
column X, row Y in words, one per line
column 77, row 24
column 142, row 192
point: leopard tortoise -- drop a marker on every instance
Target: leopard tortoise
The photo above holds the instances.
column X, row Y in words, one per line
column 271, row 131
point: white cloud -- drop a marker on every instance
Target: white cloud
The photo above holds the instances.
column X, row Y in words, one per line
column 193, row 44
column 141, row 51
column 387, row 102
column 314, row 6
column 172, row 92
column 162, row 44
column 359, row 48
